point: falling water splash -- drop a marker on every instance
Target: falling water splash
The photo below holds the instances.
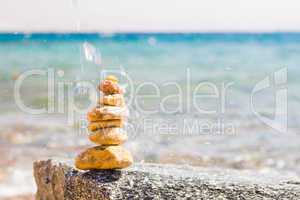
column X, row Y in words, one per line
column 75, row 4
column 86, row 50
column 88, row 54
column 91, row 54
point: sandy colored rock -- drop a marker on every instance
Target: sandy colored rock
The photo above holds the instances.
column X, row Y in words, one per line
column 110, row 87
column 112, row 100
column 112, row 78
column 108, row 136
column 59, row 181
column 104, row 157
column 93, row 126
column 93, row 116
column 107, row 113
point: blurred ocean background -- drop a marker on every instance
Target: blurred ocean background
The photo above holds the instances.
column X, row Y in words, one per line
column 241, row 58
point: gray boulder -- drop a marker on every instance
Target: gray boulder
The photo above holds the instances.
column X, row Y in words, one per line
column 59, row 181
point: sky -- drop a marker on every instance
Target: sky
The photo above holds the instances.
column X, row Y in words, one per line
column 149, row 15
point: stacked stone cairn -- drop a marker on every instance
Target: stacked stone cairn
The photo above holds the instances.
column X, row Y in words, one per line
column 106, row 121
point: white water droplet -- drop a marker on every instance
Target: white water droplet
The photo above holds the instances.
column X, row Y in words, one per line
column 91, row 54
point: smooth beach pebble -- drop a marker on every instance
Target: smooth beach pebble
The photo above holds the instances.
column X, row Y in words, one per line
column 108, row 136
column 93, row 116
column 104, row 157
column 112, row 100
column 112, row 78
column 110, row 87
column 107, row 113
column 93, row 126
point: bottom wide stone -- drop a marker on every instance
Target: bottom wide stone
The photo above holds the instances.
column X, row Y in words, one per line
column 104, row 157
column 59, row 181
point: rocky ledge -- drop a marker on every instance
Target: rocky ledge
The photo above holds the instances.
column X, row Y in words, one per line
column 58, row 181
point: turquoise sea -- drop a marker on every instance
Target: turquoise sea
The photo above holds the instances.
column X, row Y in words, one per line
column 165, row 54
column 239, row 59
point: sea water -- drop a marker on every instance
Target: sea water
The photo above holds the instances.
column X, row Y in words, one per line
column 232, row 137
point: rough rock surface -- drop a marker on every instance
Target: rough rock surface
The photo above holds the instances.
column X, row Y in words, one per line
column 57, row 181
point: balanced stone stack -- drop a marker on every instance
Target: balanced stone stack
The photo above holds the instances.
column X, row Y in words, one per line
column 106, row 121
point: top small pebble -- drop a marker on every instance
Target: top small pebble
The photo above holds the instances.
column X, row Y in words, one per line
column 110, row 86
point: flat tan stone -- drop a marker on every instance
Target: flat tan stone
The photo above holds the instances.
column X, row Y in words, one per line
column 93, row 126
column 110, row 87
column 112, row 100
column 107, row 113
column 104, row 157
column 112, row 78
column 108, row 136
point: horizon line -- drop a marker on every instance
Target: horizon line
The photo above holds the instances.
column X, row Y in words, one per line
column 151, row 32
